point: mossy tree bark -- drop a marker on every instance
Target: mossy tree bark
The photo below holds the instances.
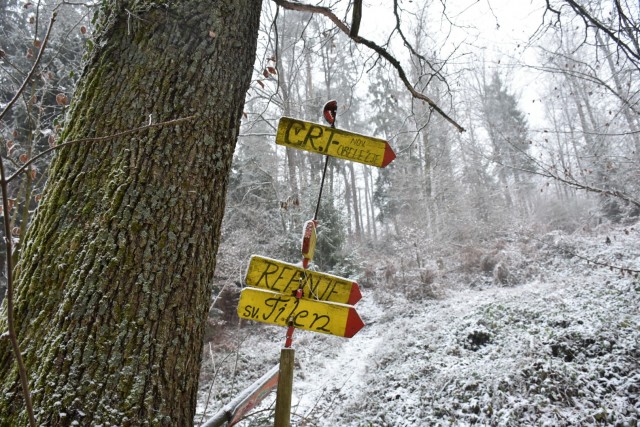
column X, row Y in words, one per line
column 113, row 279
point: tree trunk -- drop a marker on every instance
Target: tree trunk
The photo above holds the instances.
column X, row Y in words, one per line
column 356, row 202
column 115, row 272
column 626, row 111
column 347, row 198
column 369, row 175
column 285, row 90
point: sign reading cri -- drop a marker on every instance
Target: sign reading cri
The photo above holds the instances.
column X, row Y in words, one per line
column 334, row 142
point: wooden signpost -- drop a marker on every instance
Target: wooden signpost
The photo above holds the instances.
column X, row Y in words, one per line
column 334, row 142
column 289, row 295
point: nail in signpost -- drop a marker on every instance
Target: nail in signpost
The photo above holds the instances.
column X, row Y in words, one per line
column 334, row 142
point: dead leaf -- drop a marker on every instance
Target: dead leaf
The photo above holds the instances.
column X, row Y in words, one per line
column 61, row 99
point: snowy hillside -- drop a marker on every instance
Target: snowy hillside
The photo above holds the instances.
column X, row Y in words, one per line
column 561, row 349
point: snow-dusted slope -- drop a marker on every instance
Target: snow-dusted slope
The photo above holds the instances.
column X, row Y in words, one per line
column 562, row 353
column 562, row 349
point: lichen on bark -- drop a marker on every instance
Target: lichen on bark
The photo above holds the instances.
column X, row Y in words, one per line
column 113, row 279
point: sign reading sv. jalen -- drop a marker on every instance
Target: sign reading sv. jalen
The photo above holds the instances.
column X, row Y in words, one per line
column 334, row 142
column 317, row 316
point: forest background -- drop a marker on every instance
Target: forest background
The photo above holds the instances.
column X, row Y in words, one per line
column 551, row 140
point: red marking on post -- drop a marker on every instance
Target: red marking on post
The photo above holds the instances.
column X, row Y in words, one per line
column 389, row 156
column 354, row 323
column 289, row 338
column 355, row 295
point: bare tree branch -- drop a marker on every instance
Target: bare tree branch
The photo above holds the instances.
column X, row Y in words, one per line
column 571, row 182
column 567, row 179
column 622, row 270
column 593, row 78
column 410, row 46
column 24, row 381
column 33, row 69
column 13, row 337
column 381, row 51
column 98, row 139
column 631, row 52
column 551, row 172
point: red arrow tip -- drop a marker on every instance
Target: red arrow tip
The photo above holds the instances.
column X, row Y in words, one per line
column 354, row 323
column 355, row 294
column 389, row 155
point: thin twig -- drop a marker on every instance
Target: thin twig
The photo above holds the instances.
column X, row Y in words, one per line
column 33, row 69
column 588, row 18
column 588, row 260
column 24, row 382
column 410, row 46
column 547, row 172
column 381, row 51
column 213, row 381
column 99, row 139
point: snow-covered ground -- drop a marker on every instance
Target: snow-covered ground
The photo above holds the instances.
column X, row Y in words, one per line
column 561, row 349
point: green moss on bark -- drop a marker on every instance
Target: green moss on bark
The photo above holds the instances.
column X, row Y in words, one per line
column 114, row 272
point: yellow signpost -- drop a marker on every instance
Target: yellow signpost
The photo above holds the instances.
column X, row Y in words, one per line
column 285, row 278
column 317, row 316
column 285, row 294
column 334, row 142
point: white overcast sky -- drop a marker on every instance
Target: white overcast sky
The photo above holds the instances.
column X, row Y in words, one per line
column 496, row 30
